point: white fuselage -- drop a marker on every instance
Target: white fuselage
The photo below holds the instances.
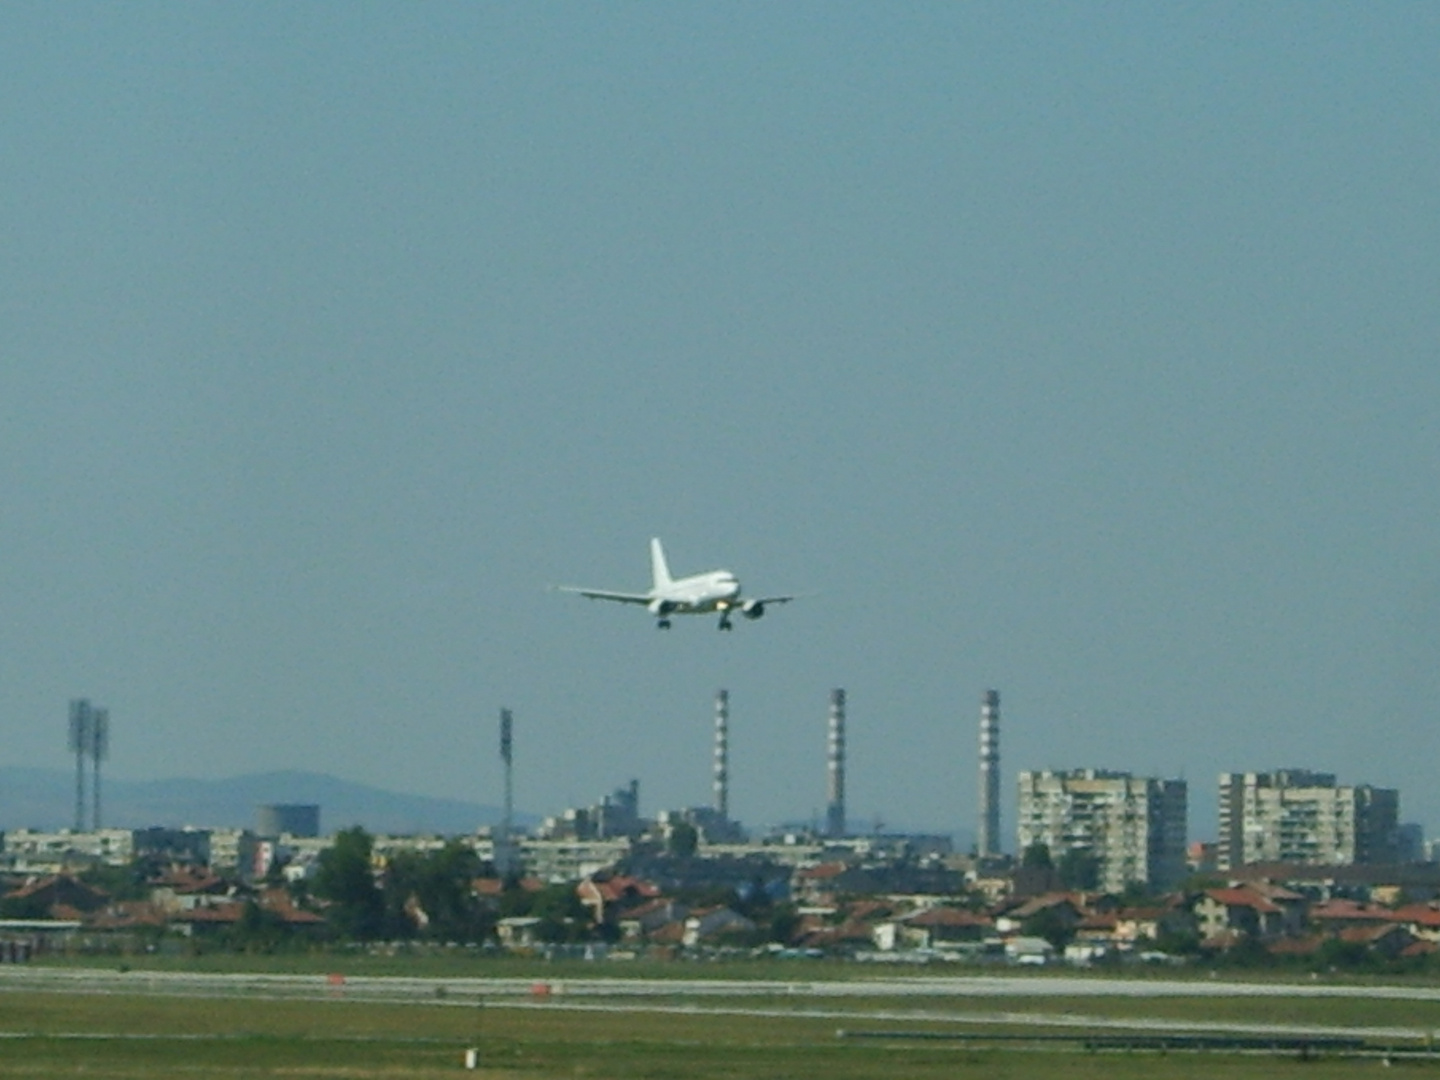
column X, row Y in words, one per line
column 696, row 595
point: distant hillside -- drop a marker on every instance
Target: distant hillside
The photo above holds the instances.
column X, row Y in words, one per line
column 45, row 799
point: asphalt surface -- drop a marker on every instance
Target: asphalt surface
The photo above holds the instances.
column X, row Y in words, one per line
column 110, row 980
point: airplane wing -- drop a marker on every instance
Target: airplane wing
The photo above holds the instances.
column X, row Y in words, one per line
column 602, row 594
column 771, row 599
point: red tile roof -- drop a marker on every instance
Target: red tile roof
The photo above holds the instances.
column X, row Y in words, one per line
column 949, row 916
column 1242, row 898
column 1350, row 911
column 1369, row 935
column 1418, row 915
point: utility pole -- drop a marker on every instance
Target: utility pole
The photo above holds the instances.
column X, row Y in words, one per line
column 99, row 751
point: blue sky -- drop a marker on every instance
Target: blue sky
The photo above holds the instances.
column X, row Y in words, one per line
column 1085, row 352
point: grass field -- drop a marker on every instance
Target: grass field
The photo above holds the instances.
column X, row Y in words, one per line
column 122, row 1035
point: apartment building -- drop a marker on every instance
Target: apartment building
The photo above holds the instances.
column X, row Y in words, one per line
column 1133, row 826
column 1299, row 816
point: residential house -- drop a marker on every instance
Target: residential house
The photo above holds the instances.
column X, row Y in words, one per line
column 1421, row 920
column 1065, row 909
column 56, row 896
column 607, row 897
column 942, row 926
column 709, row 925
column 1220, row 913
column 1333, row 916
column 640, row 923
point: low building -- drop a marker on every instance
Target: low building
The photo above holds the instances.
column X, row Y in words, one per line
column 570, row 860
column 38, row 851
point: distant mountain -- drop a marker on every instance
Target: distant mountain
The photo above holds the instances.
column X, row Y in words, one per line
column 45, row 799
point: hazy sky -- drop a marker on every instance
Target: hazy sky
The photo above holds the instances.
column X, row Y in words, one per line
column 1089, row 352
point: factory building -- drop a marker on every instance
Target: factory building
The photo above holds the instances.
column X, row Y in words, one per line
column 287, row 819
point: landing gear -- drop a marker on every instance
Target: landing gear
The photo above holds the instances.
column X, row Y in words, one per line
column 725, row 623
column 663, row 624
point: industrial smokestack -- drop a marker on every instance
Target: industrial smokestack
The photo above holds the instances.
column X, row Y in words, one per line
column 722, row 754
column 835, row 762
column 988, row 835
column 504, row 855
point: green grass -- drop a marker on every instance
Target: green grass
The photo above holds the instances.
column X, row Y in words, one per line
column 135, row 1036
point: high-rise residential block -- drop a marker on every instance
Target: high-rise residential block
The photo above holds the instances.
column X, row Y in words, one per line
column 1299, row 816
column 1134, row 827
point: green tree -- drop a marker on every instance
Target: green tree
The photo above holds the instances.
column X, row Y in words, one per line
column 441, row 884
column 127, row 882
column 562, row 916
column 24, row 907
column 1178, row 942
column 1049, row 924
column 258, row 930
column 1248, row 952
column 345, row 878
column 1079, row 869
column 782, row 923
column 684, row 838
column 1037, row 857
column 1334, row 953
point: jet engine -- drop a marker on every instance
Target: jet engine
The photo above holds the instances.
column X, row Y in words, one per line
column 662, row 608
column 752, row 609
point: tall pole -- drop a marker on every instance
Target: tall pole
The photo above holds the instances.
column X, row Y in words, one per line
column 99, row 751
column 81, row 719
column 722, row 754
column 988, row 835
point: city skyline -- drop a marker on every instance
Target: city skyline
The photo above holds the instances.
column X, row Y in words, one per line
column 831, row 821
column 1083, row 353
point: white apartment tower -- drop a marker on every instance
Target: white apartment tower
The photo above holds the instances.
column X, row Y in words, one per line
column 1133, row 826
column 1298, row 816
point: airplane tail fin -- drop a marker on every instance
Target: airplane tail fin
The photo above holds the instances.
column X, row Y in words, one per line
column 659, row 572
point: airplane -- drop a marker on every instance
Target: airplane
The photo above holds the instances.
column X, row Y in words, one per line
column 698, row 594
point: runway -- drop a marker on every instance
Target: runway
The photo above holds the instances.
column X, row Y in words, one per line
column 390, row 988
column 916, row 1000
